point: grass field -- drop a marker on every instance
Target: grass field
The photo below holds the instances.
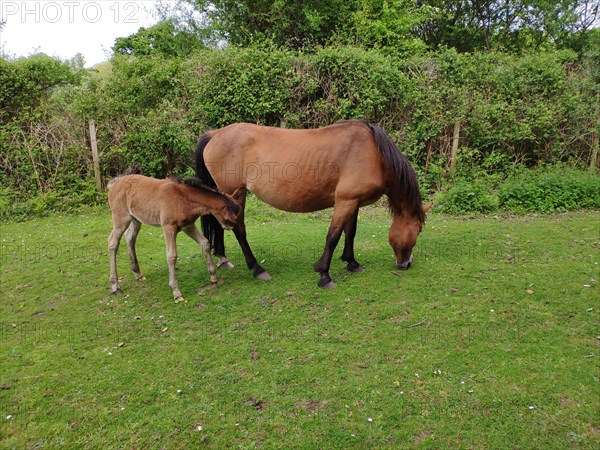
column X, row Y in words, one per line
column 491, row 340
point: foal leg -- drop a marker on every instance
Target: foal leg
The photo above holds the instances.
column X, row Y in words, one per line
column 131, row 237
column 193, row 232
column 170, row 232
column 348, row 254
column 343, row 211
column 119, row 227
column 240, row 233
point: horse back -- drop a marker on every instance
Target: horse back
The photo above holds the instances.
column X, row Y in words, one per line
column 297, row 170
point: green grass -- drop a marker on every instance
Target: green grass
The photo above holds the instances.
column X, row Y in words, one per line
column 491, row 340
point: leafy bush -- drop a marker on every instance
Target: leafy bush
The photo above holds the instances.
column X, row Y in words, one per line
column 547, row 190
column 467, row 197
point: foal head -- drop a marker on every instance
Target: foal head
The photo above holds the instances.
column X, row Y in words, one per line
column 227, row 212
column 225, row 208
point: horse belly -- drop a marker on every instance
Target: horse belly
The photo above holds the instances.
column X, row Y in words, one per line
column 297, row 189
column 291, row 201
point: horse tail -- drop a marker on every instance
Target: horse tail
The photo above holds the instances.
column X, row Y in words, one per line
column 211, row 228
column 201, row 170
column 404, row 176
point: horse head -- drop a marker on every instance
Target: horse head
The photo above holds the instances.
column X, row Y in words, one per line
column 403, row 235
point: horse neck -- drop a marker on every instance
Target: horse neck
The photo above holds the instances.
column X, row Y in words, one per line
column 402, row 210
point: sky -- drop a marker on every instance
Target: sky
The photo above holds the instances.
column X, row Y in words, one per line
column 63, row 28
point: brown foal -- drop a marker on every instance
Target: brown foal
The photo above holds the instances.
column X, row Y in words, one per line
column 172, row 204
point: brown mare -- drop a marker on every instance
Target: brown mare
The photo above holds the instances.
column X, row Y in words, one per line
column 172, row 204
column 345, row 166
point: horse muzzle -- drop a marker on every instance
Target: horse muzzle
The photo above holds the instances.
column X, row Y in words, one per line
column 405, row 265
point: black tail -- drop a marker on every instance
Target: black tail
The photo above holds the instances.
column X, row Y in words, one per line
column 211, row 228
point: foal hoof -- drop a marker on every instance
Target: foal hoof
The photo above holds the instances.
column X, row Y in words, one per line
column 226, row 265
column 141, row 278
column 263, row 276
column 118, row 292
column 356, row 269
column 179, row 299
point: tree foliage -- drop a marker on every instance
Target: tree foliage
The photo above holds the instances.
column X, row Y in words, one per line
column 163, row 39
column 290, row 24
column 516, row 25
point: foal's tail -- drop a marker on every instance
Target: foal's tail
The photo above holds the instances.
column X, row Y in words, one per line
column 210, row 225
column 135, row 169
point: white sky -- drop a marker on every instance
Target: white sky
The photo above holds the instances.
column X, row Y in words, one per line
column 64, row 28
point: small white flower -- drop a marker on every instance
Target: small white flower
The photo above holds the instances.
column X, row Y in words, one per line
column 532, row 407
column 199, row 428
column 369, row 419
column 9, row 417
column 179, row 391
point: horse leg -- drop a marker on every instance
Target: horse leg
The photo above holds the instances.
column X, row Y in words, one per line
column 348, row 254
column 193, row 232
column 240, row 233
column 131, row 237
column 219, row 250
column 114, row 239
column 170, row 232
column 342, row 214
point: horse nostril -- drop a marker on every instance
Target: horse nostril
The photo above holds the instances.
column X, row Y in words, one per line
column 405, row 265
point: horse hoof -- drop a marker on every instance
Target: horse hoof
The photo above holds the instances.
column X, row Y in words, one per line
column 226, row 265
column 357, row 269
column 118, row 292
column 329, row 285
column 179, row 300
column 263, row 276
column 141, row 278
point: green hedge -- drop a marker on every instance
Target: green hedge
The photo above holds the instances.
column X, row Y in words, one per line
column 515, row 111
column 546, row 189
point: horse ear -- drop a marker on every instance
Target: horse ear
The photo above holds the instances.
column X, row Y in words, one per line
column 239, row 193
column 427, row 207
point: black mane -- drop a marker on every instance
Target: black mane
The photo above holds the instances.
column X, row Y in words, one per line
column 406, row 193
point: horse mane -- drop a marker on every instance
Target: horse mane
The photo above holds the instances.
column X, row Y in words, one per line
column 197, row 184
column 406, row 192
